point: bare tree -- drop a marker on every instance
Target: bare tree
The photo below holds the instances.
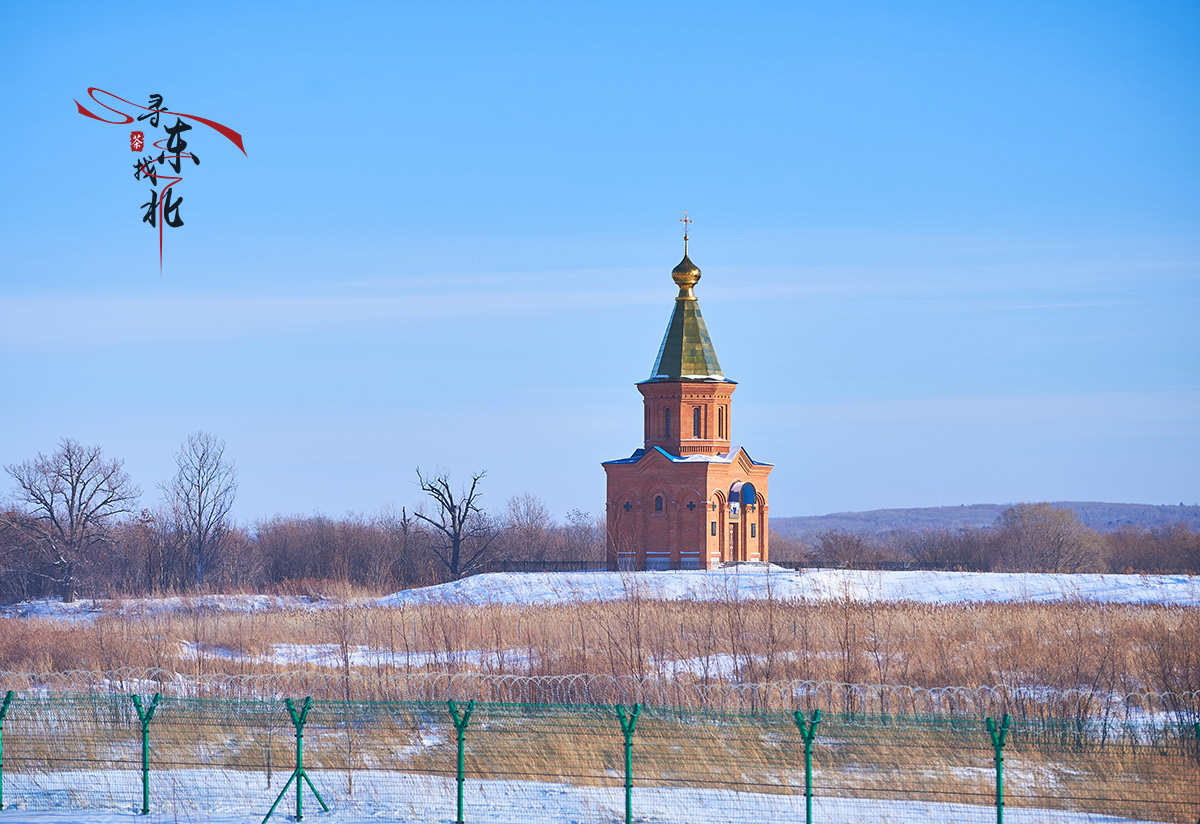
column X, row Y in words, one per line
column 583, row 537
column 529, row 530
column 200, row 496
column 843, row 549
column 68, row 500
column 463, row 536
column 1040, row 537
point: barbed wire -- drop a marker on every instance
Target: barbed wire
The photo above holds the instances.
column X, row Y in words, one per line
column 598, row 689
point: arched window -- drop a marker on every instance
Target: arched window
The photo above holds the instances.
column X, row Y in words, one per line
column 720, row 422
column 658, row 505
column 695, row 422
column 667, row 418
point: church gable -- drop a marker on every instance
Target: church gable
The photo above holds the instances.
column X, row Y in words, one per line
column 743, row 462
column 653, row 461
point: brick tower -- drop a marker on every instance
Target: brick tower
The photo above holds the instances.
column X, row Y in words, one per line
column 687, row 499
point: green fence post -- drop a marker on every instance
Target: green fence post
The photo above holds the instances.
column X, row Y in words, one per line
column 460, row 728
column 3, row 712
column 627, row 727
column 298, row 775
column 808, row 731
column 998, row 737
column 1195, row 727
column 145, row 716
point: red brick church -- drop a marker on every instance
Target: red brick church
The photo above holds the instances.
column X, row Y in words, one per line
column 688, row 499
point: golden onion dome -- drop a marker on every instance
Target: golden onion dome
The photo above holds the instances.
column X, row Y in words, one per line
column 686, row 274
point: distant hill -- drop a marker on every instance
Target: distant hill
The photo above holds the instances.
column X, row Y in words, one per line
column 1101, row 517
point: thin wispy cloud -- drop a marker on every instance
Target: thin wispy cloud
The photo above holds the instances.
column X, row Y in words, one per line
column 1138, row 407
column 38, row 322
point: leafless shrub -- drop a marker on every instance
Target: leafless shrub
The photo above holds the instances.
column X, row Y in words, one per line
column 965, row 549
column 1174, row 548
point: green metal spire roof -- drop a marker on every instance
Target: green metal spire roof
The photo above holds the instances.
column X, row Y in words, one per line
column 687, row 352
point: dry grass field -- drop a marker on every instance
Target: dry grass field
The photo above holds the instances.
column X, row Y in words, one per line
column 1057, row 646
column 1072, row 757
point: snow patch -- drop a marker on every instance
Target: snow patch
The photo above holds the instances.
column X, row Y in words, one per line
column 243, row 797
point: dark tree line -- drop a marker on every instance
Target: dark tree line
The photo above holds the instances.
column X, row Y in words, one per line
column 1025, row 538
column 73, row 528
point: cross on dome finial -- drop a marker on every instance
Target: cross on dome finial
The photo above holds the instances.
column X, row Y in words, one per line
column 685, row 274
column 685, row 220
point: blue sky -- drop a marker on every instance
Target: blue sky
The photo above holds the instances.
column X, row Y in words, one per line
column 950, row 250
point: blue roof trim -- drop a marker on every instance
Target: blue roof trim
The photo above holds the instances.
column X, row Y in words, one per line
column 638, row 454
column 634, row 458
column 756, row 463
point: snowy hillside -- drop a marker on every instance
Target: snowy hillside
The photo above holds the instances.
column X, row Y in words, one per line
column 745, row 582
column 762, row 581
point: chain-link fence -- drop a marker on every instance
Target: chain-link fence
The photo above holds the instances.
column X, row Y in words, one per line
column 213, row 751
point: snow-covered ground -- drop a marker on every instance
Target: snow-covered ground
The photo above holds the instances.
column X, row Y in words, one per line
column 745, row 582
column 760, row 581
column 239, row 797
column 330, row 655
column 87, row 608
column 228, row 797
